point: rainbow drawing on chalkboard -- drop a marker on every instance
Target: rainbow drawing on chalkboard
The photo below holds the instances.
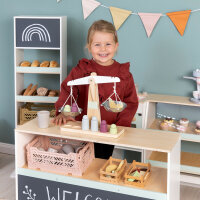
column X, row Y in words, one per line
column 38, row 29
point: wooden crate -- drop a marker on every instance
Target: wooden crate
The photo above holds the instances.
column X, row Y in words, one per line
column 109, row 176
column 29, row 111
column 138, row 181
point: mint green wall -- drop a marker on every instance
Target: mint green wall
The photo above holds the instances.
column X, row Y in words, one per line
column 157, row 63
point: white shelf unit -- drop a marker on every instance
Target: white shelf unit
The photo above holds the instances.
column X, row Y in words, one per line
column 32, row 28
column 190, row 161
column 163, row 183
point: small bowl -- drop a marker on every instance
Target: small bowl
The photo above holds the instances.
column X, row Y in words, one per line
column 107, row 107
column 72, row 114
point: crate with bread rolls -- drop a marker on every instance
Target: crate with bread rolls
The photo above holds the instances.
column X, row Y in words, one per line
column 112, row 170
column 29, row 111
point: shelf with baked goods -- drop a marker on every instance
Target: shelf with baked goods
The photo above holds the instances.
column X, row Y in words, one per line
column 39, row 41
column 190, row 157
column 162, row 183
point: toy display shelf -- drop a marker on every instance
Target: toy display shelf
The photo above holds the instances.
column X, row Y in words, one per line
column 38, row 70
column 190, row 162
column 189, row 135
column 162, row 184
column 38, row 99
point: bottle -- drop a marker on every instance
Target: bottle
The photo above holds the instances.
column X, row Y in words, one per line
column 94, row 124
column 74, row 108
column 113, row 129
column 103, row 126
column 85, row 123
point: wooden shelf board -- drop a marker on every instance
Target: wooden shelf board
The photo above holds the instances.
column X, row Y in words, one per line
column 39, row 99
column 187, row 159
column 156, row 183
column 132, row 137
column 189, row 135
column 180, row 100
column 38, row 70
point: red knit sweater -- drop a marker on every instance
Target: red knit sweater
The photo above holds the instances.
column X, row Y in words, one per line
column 125, row 89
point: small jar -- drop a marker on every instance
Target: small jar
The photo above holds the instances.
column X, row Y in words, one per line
column 85, row 123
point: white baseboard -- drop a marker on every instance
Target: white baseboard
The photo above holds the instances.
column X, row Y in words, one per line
column 7, row 148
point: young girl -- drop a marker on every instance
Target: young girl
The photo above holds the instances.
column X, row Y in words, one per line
column 102, row 44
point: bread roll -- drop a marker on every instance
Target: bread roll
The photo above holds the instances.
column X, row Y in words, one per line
column 53, row 63
column 44, row 64
column 25, row 64
column 33, row 89
column 27, row 90
column 42, row 91
column 52, row 93
column 35, row 63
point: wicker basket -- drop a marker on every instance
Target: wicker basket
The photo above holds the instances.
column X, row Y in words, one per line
column 109, row 176
column 72, row 163
column 135, row 180
column 29, row 111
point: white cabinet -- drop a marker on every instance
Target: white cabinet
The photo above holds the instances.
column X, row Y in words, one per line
column 190, row 157
column 38, row 34
column 162, row 184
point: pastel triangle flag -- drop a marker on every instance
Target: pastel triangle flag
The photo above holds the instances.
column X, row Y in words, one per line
column 119, row 16
column 149, row 21
column 89, row 6
column 180, row 19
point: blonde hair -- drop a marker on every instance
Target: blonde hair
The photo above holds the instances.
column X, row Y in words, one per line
column 102, row 26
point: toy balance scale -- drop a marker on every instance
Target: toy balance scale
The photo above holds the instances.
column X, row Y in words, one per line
column 93, row 104
column 196, row 94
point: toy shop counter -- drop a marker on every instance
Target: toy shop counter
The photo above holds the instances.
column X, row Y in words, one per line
column 153, row 140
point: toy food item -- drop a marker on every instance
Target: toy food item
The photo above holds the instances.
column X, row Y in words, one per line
column 181, row 128
column 44, row 64
column 35, row 63
column 52, row 150
column 198, row 124
column 67, row 108
column 169, row 120
column 28, row 89
column 41, row 91
column 74, row 108
column 111, row 168
column 67, row 148
column 114, row 104
column 120, row 165
column 164, row 126
column 53, row 63
column 52, row 93
column 184, row 122
column 25, row 64
column 33, row 89
column 113, row 129
column 103, row 126
column 197, row 130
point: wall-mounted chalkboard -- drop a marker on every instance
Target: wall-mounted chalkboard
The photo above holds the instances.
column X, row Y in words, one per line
column 37, row 32
column 40, row 189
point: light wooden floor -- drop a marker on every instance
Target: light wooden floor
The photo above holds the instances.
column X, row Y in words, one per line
column 7, row 184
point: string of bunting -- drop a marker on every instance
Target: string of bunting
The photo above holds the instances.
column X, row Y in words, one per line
column 149, row 20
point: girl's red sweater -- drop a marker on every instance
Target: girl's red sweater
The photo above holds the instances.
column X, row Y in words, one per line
column 125, row 89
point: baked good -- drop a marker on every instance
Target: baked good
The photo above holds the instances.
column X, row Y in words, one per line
column 25, row 64
column 35, row 63
column 28, row 89
column 164, row 126
column 169, row 120
column 181, row 128
column 33, row 89
column 111, row 168
column 44, row 64
column 52, row 93
column 197, row 130
column 184, row 122
column 114, row 104
column 198, row 124
column 41, row 91
column 53, row 63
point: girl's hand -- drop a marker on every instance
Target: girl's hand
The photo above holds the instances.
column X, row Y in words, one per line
column 62, row 119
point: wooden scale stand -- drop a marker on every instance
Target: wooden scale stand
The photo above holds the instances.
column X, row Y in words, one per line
column 93, row 104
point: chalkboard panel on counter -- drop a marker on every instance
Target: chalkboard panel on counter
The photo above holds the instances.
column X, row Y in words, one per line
column 40, row 189
column 37, row 32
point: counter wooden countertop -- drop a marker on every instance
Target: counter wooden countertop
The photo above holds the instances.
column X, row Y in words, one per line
column 148, row 139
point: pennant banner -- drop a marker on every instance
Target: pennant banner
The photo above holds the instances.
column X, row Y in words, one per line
column 149, row 21
column 119, row 16
column 179, row 19
column 89, row 6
